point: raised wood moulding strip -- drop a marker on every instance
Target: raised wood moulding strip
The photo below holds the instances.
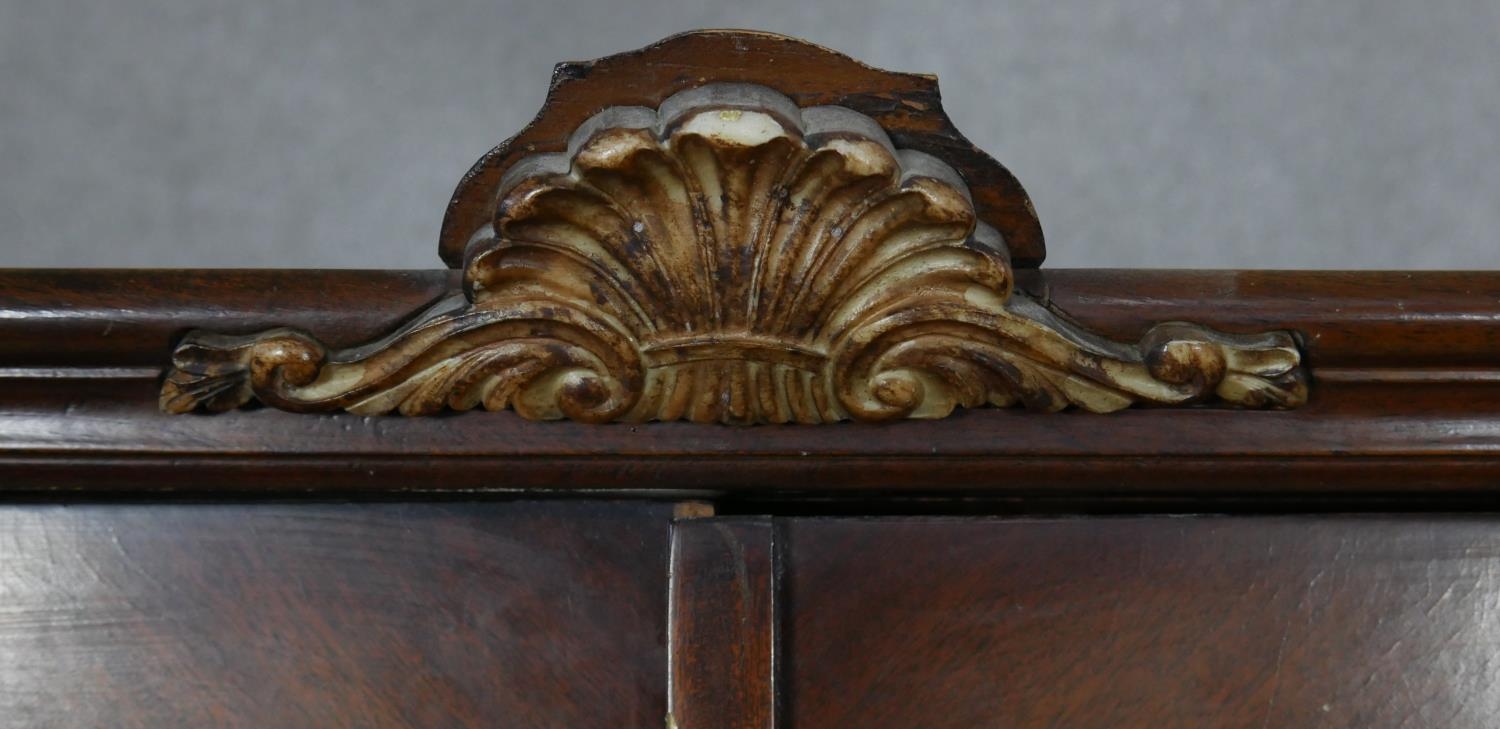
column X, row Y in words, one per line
column 723, row 625
column 59, row 321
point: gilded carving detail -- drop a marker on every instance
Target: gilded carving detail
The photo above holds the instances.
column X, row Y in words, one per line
column 730, row 257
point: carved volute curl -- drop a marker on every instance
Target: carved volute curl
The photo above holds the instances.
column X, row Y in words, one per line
column 730, row 256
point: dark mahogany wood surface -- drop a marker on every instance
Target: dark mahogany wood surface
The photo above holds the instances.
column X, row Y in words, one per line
column 1270, row 623
column 1405, row 390
column 724, row 626
column 528, row 614
column 133, row 318
column 107, row 435
column 1367, row 325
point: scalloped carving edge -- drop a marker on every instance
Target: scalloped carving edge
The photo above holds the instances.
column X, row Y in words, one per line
column 907, row 105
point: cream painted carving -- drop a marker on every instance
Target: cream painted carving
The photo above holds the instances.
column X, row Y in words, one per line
column 732, row 258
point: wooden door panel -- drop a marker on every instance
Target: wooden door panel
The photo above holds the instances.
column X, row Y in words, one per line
column 1142, row 622
column 328, row 615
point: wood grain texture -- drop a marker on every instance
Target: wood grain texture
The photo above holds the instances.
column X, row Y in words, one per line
column 1294, row 623
column 333, row 615
column 724, row 625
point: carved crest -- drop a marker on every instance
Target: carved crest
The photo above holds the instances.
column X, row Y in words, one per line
column 730, row 257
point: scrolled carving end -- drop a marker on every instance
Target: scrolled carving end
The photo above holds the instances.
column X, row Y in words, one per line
column 183, row 391
column 217, row 372
column 1252, row 371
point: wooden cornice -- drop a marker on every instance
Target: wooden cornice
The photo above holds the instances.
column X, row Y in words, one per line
column 742, row 228
column 1405, row 400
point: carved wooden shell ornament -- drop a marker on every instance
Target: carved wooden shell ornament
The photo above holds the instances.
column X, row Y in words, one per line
column 730, row 256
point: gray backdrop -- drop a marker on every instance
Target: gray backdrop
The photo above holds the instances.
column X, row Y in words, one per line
column 1164, row 133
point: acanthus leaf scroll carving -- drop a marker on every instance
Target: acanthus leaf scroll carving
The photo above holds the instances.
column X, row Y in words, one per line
column 730, row 257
